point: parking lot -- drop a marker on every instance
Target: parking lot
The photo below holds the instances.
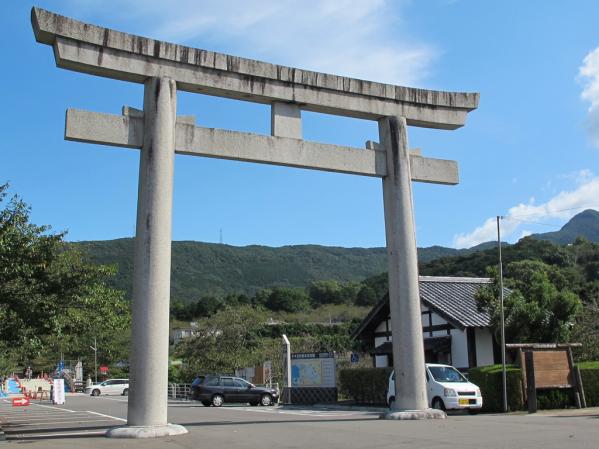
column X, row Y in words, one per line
column 83, row 420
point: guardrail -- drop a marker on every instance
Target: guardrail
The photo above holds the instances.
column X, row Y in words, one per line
column 179, row 391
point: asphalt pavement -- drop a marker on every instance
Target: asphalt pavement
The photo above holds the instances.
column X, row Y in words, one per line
column 82, row 421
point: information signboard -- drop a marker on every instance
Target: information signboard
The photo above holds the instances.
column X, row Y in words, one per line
column 313, row 369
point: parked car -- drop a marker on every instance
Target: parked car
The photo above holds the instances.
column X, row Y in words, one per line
column 216, row 390
column 110, row 386
column 447, row 389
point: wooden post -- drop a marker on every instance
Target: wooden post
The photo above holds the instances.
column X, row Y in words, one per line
column 573, row 379
column 579, row 387
column 531, row 388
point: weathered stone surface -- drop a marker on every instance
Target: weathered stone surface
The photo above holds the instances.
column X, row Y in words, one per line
column 101, row 51
column 411, row 415
column 148, row 361
column 146, row 431
column 286, row 120
column 127, row 131
column 404, row 296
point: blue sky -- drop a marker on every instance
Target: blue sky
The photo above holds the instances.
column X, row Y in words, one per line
column 530, row 151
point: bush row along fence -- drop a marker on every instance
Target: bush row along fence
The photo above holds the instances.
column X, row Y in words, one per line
column 365, row 385
column 369, row 386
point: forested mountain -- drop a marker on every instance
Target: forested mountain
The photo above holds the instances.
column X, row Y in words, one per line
column 200, row 269
column 584, row 224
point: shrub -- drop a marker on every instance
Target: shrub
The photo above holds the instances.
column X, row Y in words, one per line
column 369, row 386
column 489, row 379
column 589, row 372
column 365, row 385
column 555, row 398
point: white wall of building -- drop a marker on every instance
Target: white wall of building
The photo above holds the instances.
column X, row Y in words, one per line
column 437, row 320
column 484, row 347
column 459, row 348
column 459, row 342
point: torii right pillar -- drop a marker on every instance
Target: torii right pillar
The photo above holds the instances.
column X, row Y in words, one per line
column 404, row 296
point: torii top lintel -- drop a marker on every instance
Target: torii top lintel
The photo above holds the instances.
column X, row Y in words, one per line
column 101, row 51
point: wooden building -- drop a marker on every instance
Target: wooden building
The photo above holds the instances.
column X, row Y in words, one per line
column 455, row 332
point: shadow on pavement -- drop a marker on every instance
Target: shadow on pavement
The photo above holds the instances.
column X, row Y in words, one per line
column 280, row 421
column 55, row 437
column 15, row 430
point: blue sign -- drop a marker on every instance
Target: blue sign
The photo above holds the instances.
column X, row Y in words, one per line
column 13, row 386
column 354, row 357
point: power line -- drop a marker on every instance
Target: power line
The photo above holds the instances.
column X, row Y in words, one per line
column 590, row 206
column 533, row 222
column 516, row 217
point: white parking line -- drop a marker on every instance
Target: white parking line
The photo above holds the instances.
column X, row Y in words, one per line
column 55, row 408
column 107, row 416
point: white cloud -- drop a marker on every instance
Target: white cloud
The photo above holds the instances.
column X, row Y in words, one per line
column 561, row 207
column 589, row 76
column 524, row 233
column 578, row 177
column 367, row 40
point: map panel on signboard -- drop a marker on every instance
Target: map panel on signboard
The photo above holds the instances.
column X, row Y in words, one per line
column 313, row 370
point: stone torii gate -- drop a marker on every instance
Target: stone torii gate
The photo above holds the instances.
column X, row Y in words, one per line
column 164, row 68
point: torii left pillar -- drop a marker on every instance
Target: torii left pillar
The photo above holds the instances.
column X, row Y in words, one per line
column 148, row 400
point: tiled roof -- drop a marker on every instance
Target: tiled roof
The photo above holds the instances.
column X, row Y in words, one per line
column 450, row 297
column 453, row 298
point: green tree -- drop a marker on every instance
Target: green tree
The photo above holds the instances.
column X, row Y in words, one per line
column 288, row 299
column 206, row 306
column 535, row 309
column 51, row 300
column 228, row 340
column 367, row 296
column 326, row 292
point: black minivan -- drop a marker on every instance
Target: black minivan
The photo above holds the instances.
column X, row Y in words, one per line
column 216, row 390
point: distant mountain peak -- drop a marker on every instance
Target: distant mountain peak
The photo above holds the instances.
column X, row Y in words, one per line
column 584, row 224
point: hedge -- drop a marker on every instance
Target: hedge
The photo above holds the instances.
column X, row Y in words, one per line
column 365, row 385
column 369, row 386
column 489, row 379
column 589, row 372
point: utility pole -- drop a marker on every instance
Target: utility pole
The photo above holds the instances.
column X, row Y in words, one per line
column 95, row 348
column 503, row 370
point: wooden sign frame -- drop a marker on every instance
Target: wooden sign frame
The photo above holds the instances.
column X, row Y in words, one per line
column 548, row 366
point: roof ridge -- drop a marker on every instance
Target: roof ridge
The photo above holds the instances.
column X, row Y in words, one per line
column 457, row 279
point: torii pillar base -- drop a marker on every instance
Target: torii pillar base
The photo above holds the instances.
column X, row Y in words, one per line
column 146, row 431
column 411, row 415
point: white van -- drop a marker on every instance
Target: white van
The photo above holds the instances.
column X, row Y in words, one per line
column 447, row 389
